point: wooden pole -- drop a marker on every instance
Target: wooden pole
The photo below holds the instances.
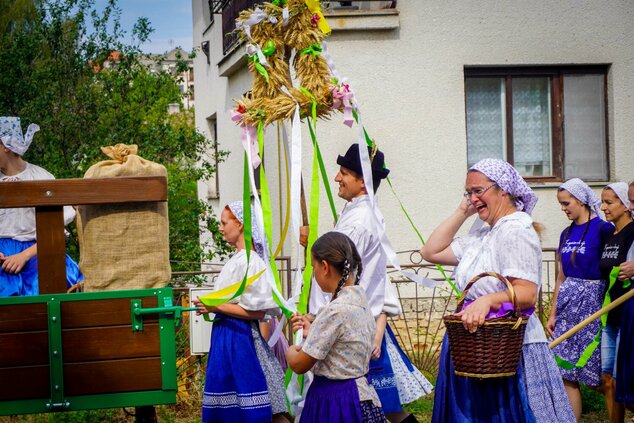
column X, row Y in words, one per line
column 593, row 317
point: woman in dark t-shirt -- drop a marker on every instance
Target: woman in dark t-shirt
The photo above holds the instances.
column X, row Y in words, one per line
column 579, row 289
column 615, row 205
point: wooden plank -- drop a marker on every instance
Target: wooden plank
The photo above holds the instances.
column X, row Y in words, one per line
column 23, row 317
column 107, row 312
column 23, row 349
column 112, row 376
column 19, row 383
column 51, row 249
column 62, row 192
column 109, row 343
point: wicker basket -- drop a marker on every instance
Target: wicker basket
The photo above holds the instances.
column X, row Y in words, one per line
column 495, row 349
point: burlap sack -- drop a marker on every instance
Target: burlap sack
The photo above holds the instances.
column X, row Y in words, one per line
column 124, row 246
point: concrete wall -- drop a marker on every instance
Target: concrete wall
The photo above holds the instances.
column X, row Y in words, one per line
column 409, row 82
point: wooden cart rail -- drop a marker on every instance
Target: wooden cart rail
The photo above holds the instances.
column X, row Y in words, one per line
column 77, row 351
column 49, row 198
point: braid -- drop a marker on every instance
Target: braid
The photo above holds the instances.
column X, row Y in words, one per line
column 345, row 274
column 340, row 252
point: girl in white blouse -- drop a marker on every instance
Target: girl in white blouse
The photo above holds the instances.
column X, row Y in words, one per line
column 244, row 381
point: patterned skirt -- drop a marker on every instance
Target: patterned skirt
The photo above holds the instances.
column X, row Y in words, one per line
column 625, row 356
column 336, row 401
column 410, row 382
column 381, row 377
column 578, row 299
column 244, row 381
column 544, row 387
column 26, row 281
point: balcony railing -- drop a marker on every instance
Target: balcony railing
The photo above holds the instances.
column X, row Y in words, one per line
column 358, row 5
column 231, row 9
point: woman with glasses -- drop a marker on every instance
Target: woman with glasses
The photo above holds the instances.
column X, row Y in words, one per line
column 579, row 289
column 509, row 245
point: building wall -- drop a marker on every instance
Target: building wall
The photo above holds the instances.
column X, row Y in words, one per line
column 409, row 83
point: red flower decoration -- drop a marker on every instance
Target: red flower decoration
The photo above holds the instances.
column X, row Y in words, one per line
column 314, row 19
column 241, row 109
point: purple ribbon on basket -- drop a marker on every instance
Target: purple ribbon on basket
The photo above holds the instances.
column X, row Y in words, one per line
column 506, row 310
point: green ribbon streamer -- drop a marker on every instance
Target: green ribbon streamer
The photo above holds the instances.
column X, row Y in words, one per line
column 420, row 237
column 267, row 214
column 324, row 175
column 589, row 350
column 313, row 106
column 312, row 127
column 370, row 144
column 268, row 50
column 314, row 49
column 246, row 210
column 302, row 307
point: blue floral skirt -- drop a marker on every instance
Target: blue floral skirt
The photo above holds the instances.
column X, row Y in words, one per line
column 244, row 381
column 26, row 281
column 410, row 382
column 381, row 377
column 578, row 299
column 625, row 356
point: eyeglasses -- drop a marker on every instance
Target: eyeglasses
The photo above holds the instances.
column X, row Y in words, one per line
column 478, row 192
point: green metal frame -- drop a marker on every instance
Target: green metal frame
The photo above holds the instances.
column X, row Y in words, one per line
column 168, row 316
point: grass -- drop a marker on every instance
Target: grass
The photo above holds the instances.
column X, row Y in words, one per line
column 593, row 408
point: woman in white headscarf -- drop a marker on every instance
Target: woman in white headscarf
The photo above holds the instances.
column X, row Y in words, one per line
column 244, row 381
column 579, row 289
column 18, row 249
column 625, row 359
column 510, row 246
column 616, row 206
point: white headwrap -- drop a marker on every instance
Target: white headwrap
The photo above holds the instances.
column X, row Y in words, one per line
column 237, row 209
column 620, row 189
column 11, row 134
column 509, row 179
column 582, row 192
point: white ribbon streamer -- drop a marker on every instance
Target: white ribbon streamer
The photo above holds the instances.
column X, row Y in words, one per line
column 275, row 336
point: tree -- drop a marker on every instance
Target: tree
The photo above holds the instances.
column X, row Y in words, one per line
column 63, row 65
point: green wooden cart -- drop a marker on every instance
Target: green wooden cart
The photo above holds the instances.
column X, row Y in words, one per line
column 72, row 351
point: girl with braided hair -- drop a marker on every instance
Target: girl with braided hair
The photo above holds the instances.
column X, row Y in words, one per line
column 338, row 343
column 579, row 289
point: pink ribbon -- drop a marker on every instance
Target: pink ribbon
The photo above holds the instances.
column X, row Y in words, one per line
column 342, row 96
column 249, row 138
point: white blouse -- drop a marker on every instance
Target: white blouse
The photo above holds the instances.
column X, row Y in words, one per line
column 358, row 223
column 256, row 297
column 19, row 223
column 512, row 249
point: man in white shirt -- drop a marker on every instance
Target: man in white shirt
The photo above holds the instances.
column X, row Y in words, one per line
column 359, row 223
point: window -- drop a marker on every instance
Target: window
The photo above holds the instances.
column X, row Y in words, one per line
column 549, row 122
column 213, row 184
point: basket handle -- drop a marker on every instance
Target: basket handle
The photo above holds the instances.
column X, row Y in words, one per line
column 509, row 285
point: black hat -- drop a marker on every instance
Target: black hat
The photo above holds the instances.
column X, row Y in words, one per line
column 352, row 161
